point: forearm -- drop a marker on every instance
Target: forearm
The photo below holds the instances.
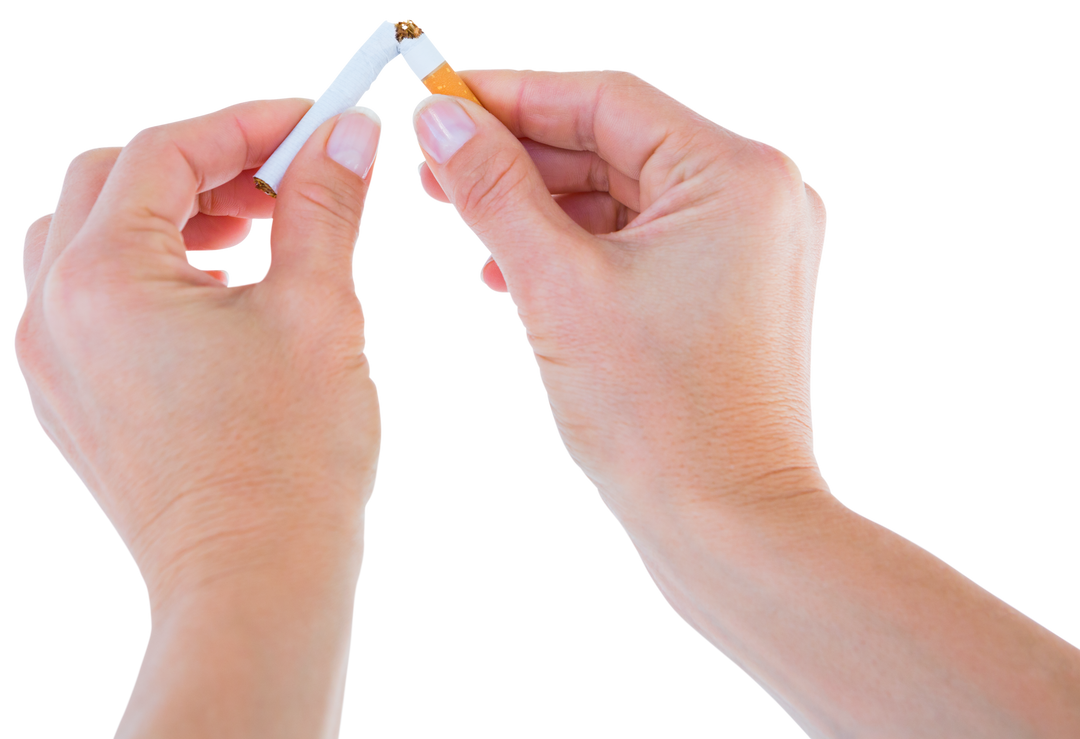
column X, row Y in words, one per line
column 858, row 632
column 259, row 654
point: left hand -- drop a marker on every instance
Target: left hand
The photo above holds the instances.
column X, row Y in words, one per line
column 230, row 434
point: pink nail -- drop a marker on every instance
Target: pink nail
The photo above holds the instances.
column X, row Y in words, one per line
column 443, row 127
column 354, row 140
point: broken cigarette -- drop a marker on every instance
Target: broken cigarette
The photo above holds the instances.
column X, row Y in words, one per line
column 428, row 64
column 350, row 84
column 354, row 80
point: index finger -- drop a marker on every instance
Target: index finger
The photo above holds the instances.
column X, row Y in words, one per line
column 162, row 170
column 615, row 114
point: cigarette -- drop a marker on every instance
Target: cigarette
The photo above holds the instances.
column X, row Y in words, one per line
column 350, row 85
column 428, row 64
column 345, row 92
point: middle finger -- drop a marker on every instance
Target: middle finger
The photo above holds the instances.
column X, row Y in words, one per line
column 83, row 182
column 566, row 171
column 237, row 198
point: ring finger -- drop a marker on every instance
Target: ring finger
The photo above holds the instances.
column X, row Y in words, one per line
column 565, row 171
column 85, row 177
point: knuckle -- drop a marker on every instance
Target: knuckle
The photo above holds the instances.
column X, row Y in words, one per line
column 26, row 343
column 36, row 227
column 817, row 198
column 618, row 78
column 97, row 153
column 789, row 213
column 219, row 202
column 490, row 187
column 149, row 138
column 819, row 209
column 62, row 284
column 73, row 292
column 206, row 202
column 92, row 163
column 598, row 178
column 772, row 179
column 33, row 355
column 779, row 165
column 331, row 207
column 622, row 76
column 149, row 143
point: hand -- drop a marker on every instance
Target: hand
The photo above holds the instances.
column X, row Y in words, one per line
column 666, row 289
column 230, row 434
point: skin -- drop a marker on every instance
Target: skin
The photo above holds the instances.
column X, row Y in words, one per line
column 664, row 270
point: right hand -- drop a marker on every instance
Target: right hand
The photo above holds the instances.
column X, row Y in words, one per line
column 666, row 288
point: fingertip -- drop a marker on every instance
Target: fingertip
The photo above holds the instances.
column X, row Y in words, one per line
column 431, row 100
column 492, row 276
column 365, row 111
column 354, row 140
column 320, row 202
column 219, row 274
column 429, row 185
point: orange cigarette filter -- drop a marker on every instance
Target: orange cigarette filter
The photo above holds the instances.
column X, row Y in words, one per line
column 428, row 64
column 445, row 81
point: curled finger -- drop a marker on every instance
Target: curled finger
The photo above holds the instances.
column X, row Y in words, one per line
column 205, row 232
column 83, row 183
column 33, row 248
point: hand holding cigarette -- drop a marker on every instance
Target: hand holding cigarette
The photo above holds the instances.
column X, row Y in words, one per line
column 230, row 434
column 350, row 85
column 664, row 270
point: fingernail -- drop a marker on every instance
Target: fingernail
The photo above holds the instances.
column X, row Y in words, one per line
column 480, row 272
column 355, row 138
column 442, row 126
column 220, row 275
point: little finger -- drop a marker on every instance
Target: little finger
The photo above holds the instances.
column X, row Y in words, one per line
column 31, row 249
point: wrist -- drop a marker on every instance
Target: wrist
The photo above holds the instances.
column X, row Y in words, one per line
column 677, row 524
column 729, row 545
column 222, row 654
column 276, row 537
column 725, row 439
column 745, row 478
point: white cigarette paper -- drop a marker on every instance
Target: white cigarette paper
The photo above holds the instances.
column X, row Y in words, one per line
column 421, row 55
column 345, row 92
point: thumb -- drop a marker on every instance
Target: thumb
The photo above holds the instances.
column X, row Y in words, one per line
column 317, row 216
column 490, row 178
